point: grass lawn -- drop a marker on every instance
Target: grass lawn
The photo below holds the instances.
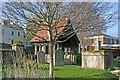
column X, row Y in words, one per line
column 77, row 73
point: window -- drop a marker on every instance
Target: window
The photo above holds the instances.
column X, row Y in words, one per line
column 12, row 32
column 107, row 41
column 67, row 50
column 117, row 41
column 112, row 41
column 2, row 32
column 92, row 41
column 18, row 33
column 24, row 36
column 12, row 41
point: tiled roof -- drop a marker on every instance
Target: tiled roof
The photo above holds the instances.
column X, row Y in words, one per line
column 43, row 33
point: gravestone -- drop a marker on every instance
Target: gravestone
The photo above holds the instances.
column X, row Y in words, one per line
column 41, row 57
column 97, row 59
column 58, row 57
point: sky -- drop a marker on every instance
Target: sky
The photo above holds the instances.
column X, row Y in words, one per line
column 113, row 31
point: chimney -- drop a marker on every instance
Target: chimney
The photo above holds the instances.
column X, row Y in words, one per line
column 7, row 22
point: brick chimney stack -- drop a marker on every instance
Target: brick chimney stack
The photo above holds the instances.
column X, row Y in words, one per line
column 7, row 22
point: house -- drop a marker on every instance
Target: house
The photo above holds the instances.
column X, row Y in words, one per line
column 9, row 34
column 106, row 41
column 69, row 46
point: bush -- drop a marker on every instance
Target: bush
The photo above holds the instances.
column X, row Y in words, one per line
column 18, row 42
column 116, row 53
column 116, row 63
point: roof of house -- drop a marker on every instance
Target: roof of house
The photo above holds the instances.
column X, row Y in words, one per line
column 105, row 35
column 42, row 34
column 100, row 34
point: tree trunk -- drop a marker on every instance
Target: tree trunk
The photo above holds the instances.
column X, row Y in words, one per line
column 51, row 60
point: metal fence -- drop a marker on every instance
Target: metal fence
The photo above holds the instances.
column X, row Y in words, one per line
column 20, row 65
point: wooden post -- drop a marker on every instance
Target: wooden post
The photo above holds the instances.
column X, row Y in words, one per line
column 40, row 47
column 79, row 48
column 35, row 52
column 44, row 48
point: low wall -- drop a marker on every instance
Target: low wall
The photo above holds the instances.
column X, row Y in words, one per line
column 97, row 59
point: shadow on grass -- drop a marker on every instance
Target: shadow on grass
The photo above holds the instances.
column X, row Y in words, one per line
column 60, row 79
column 86, row 78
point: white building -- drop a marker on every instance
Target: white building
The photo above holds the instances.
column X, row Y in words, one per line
column 107, row 42
column 8, row 35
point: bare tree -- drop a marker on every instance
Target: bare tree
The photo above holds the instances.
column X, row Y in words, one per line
column 84, row 17
column 91, row 17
